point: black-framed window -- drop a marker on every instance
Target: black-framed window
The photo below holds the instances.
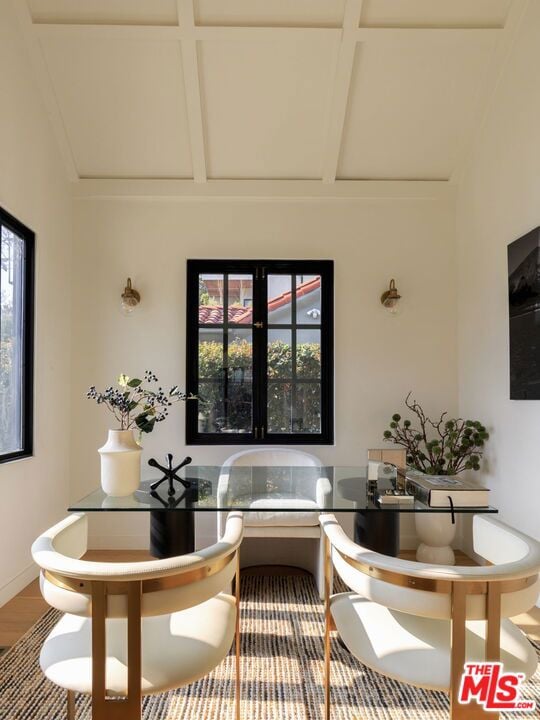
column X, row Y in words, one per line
column 260, row 352
column 16, row 337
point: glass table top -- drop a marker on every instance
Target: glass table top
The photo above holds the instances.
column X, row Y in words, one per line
column 283, row 489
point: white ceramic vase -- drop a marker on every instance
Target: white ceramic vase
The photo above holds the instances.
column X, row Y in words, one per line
column 120, row 463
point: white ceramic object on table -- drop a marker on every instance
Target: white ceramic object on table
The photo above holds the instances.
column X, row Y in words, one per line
column 436, row 532
column 120, row 463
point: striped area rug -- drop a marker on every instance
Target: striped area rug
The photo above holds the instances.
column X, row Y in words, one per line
column 282, row 665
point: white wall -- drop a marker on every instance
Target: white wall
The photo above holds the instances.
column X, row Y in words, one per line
column 33, row 492
column 498, row 201
column 379, row 358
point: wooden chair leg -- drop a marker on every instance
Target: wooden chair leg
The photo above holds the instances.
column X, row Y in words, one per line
column 70, row 705
column 472, row 711
column 327, row 673
column 327, row 624
column 237, row 637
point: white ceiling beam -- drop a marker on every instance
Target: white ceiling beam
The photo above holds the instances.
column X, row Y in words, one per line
column 261, row 33
column 489, row 86
column 190, row 63
column 45, row 86
column 261, row 189
column 114, row 32
column 340, row 95
column 422, row 34
column 251, row 32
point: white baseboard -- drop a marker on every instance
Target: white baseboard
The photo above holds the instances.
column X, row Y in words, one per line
column 118, row 542
column 18, row 583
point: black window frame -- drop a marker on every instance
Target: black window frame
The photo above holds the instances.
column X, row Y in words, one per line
column 260, row 270
column 27, row 390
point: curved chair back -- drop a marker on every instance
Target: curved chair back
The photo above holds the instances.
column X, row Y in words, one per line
column 306, row 484
column 130, row 590
column 443, row 592
column 429, row 590
column 272, row 457
column 67, row 583
column 454, row 593
column 497, row 543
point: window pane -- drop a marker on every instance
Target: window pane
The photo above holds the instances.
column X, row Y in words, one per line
column 238, row 405
column 308, row 354
column 211, row 411
column 240, row 300
column 279, row 354
column 279, row 407
column 211, row 354
column 294, row 408
column 279, row 297
column 11, row 341
column 211, row 297
column 225, row 407
column 308, row 299
column 240, row 354
column 270, row 373
column 307, row 408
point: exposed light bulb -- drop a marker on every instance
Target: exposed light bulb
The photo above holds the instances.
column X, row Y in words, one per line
column 391, row 299
column 130, row 298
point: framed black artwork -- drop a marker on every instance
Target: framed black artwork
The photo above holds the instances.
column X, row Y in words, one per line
column 524, row 302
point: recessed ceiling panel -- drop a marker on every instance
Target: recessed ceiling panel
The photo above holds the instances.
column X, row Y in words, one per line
column 413, row 103
column 434, row 13
column 266, row 102
column 150, row 12
column 123, row 105
column 275, row 12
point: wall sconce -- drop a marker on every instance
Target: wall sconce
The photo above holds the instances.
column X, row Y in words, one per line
column 390, row 299
column 130, row 298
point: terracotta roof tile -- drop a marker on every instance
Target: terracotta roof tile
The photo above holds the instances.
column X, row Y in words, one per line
column 301, row 290
column 213, row 314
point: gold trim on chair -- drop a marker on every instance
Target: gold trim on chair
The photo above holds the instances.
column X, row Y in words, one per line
column 458, row 590
column 129, row 708
column 114, row 587
column 95, row 582
column 473, row 587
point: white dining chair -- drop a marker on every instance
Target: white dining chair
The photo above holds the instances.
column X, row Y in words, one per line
column 136, row 628
column 419, row 623
column 309, row 492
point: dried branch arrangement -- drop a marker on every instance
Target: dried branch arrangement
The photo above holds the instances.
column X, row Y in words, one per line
column 446, row 446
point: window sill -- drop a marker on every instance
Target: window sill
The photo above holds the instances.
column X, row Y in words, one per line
column 15, row 457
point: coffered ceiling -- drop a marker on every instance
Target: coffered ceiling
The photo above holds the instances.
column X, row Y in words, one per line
column 319, row 92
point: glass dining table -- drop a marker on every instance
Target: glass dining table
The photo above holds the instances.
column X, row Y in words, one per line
column 204, row 488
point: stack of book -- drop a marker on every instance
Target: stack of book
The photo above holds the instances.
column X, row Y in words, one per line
column 438, row 490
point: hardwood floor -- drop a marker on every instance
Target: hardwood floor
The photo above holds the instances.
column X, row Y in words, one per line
column 19, row 614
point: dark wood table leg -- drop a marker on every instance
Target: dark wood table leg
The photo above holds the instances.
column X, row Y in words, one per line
column 378, row 531
column 171, row 533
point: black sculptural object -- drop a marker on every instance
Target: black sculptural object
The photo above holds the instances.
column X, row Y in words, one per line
column 170, row 474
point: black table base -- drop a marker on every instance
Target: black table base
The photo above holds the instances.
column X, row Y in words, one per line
column 378, row 531
column 171, row 533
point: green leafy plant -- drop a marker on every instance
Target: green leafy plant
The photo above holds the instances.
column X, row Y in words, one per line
column 135, row 404
column 446, row 446
column 279, row 368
